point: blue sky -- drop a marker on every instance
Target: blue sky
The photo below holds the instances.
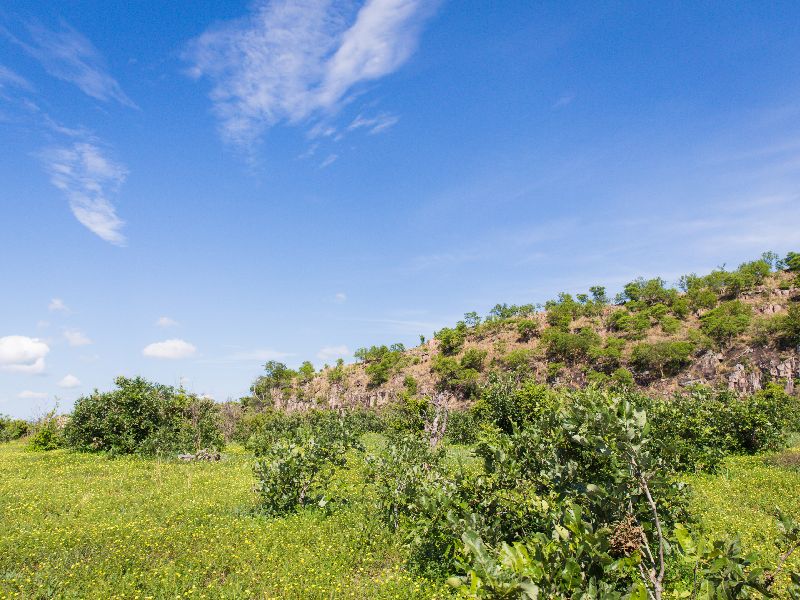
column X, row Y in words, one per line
column 191, row 189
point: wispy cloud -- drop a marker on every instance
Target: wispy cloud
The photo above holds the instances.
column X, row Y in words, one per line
column 166, row 322
column 88, row 177
column 29, row 395
column 331, row 352
column 9, row 78
column 564, row 99
column 292, row 60
column 340, row 297
column 68, row 55
column 329, row 160
column 378, row 124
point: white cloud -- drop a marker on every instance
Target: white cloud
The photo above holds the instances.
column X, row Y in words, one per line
column 69, row 381
column 166, row 322
column 76, row 338
column 331, row 158
column 87, row 177
column 68, row 55
column 292, row 60
column 377, row 124
column 174, row 348
column 8, row 77
column 331, row 352
column 42, row 324
column 57, row 305
column 564, row 100
column 28, row 394
column 22, row 354
column 340, row 298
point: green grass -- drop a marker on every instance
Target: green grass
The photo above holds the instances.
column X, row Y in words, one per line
column 83, row 526
column 741, row 499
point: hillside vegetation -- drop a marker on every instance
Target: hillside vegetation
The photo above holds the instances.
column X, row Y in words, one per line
column 736, row 328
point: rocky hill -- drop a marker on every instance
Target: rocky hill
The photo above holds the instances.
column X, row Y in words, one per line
column 738, row 329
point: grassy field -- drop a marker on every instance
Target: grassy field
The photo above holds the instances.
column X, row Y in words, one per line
column 83, row 526
column 741, row 499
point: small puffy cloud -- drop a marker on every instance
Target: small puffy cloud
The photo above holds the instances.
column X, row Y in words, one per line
column 29, row 395
column 171, row 349
column 76, row 338
column 166, row 322
column 331, row 352
column 22, row 354
column 57, row 305
column 340, row 297
column 69, row 381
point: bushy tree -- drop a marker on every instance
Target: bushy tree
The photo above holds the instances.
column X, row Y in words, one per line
column 452, row 339
column 145, row 418
column 727, row 321
column 665, row 357
column 12, row 429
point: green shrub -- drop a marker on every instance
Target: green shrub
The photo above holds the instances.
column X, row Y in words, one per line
column 631, row 325
column 381, row 361
column 145, row 418
column 787, row 327
column 505, row 405
column 727, row 321
column 527, row 329
column 701, row 426
column 47, row 433
column 451, row 340
column 607, row 357
column 462, row 427
column 473, row 358
column 570, row 347
column 296, row 469
column 454, row 376
column 336, row 374
column 519, row 360
column 12, row 429
column 665, row 358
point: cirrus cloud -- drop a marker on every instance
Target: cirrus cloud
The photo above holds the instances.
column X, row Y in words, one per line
column 22, row 354
column 88, row 178
column 330, row 352
column 294, row 60
column 29, row 395
column 170, row 349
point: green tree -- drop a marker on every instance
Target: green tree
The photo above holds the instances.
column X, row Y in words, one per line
column 725, row 322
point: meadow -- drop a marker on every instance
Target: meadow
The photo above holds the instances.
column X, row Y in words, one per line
column 76, row 525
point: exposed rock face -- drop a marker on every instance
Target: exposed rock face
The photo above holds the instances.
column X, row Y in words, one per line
column 709, row 364
column 787, row 369
column 744, row 381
